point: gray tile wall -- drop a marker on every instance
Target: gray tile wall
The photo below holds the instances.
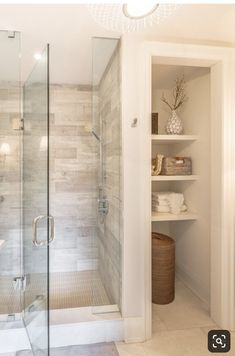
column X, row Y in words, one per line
column 73, row 179
column 109, row 243
column 34, row 172
column 10, row 198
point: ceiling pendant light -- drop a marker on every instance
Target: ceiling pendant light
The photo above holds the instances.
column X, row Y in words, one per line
column 139, row 10
column 133, row 16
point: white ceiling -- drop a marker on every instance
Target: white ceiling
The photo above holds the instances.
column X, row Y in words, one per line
column 70, row 28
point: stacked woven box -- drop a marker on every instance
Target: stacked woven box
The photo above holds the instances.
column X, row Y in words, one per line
column 176, row 166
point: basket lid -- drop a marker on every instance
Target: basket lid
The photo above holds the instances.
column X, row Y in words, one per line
column 162, row 240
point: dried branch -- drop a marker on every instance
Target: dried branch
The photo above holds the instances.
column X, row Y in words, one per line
column 178, row 93
column 165, row 101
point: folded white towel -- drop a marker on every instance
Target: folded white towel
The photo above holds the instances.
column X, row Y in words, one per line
column 177, row 210
column 161, row 202
column 162, row 209
column 161, row 195
column 164, row 202
column 167, row 209
column 176, row 199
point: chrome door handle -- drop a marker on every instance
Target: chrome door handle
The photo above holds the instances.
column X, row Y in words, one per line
column 52, row 229
column 51, row 221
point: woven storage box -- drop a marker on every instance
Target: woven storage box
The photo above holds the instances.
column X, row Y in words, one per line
column 178, row 166
column 163, row 269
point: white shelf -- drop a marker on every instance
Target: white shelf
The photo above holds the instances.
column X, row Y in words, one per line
column 173, row 217
column 174, row 178
column 167, row 139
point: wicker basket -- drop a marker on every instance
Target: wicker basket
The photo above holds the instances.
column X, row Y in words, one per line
column 176, row 166
column 163, row 269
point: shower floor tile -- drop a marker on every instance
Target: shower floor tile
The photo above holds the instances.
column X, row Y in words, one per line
column 77, row 289
column 67, row 290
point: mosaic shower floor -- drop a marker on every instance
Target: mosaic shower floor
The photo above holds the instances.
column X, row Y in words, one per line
column 67, row 290
column 77, row 289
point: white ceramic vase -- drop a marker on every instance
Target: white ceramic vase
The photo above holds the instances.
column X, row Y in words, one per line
column 174, row 125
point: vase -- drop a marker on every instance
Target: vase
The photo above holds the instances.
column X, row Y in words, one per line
column 174, row 124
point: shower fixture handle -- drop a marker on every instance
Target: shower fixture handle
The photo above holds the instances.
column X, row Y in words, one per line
column 51, row 222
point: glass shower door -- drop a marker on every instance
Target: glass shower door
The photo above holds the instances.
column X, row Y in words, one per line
column 38, row 226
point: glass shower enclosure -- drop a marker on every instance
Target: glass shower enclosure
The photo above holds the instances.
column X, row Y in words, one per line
column 45, row 156
column 38, row 225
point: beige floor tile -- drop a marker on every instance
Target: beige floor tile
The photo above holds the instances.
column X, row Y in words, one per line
column 157, row 323
column 179, row 329
column 191, row 342
column 187, row 311
column 208, row 328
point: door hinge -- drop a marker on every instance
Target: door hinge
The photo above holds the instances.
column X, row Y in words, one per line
column 19, row 283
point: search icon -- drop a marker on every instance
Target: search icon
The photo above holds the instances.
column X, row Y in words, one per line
column 219, row 341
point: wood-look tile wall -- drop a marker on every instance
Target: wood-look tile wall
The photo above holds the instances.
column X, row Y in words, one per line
column 73, row 179
column 110, row 233
column 10, row 180
column 10, row 197
column 81, row 242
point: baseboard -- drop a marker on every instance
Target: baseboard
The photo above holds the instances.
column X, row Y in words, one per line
column 192, row 282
